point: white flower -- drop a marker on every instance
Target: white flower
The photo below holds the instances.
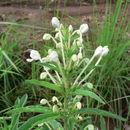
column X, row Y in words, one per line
column 105, row 51
column 79, row 42
column 43, row 101
column 55, row 22
column 89, row 85
column 74, row 57
column 70, row 28
column 83, row 28
column 34, row 56
column 46, row 36
column 41, row 124
column 78, row 105
column 55, row 99
column 53, row 56
column 80, row 56
column 43, row 75
column 55, row 108
column 98, row 51
column 90, row 127
column 57, row 35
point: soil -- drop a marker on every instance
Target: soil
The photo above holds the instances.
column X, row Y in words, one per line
column 37, row 14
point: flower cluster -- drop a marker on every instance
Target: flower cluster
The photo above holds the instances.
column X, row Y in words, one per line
column 66, row 43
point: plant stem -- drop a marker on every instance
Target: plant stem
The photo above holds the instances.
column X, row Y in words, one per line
column 75, row 82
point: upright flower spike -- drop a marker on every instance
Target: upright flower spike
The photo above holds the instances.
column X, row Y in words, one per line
column 83, row 28
column 34, row 55
column 105, row 51
column 55, row 22
column 53, row 56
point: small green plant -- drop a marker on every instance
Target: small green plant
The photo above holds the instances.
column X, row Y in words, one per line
column 66, row 69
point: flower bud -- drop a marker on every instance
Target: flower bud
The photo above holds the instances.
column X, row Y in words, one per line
column 55, row 108
column 57, row 35
column 90, row 127
column 43, row 101
column 43, row 75
column 53, row 56
column 83, row 28
column 55, row 22
column 105, row 51
column 89, row 85
column 78, row 105
column 41, row 124
column 55, row 99
column 80, row 56
column 98, row 51
column 70, row 28
column 35, row 55
column 46, row 36
column 74, row 57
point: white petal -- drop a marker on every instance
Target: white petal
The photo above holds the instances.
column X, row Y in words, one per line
column 105, row 51
column 35, row 55
column 55, row 99
column 98, row 51
column 43, row 101
column 46, row 36
column 53, row 56
column 55, row 22
column 29, row 60
column 74, row 57
column 43, row 75
column 83, row 28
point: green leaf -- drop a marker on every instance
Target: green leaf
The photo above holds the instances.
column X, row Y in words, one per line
column 41, row 118
column 88, row 93
column 95, row 111
column 46, row 84
column 35, row 108
column 15, row 117
column 102, row 123
column 23, row 25
column 55, row 125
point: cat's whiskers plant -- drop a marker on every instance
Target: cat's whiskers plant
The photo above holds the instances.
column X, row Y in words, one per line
column 65, row 74
column 65, row 45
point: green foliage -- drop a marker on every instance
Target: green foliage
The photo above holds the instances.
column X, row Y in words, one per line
column 46, row 84
column 88, row 93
